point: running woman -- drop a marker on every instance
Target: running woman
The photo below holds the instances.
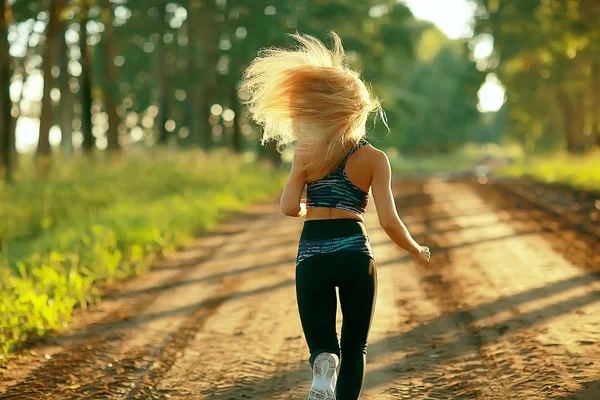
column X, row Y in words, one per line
column 309, row 97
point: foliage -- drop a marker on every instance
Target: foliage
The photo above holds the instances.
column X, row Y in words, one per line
column 580, row 171
column 205, row 46
column 445, row 87
column 546, row 54
column 93, row 223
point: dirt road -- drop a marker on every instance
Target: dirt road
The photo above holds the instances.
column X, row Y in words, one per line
column 509, row 308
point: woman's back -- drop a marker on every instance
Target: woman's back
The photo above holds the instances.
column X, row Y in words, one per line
column 341, row 190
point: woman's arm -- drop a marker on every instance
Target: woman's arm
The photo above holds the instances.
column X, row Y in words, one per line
column 292, row 192
column 389, row 220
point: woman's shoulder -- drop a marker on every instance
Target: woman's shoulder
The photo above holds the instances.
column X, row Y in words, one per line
column 373, row 158
column 373, row 152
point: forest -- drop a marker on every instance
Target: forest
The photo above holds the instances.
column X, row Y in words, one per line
column 163, row 73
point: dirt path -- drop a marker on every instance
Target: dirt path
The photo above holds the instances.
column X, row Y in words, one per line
column 508, row 309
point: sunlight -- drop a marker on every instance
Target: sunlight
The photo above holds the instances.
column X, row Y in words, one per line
column 34, row 86
column 484, row 47
column 453, row 17
column 27, row 134
column 491, row 95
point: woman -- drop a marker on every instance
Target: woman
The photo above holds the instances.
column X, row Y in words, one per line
column 310, row 97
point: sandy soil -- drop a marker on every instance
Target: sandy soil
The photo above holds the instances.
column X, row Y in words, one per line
column 509, row 308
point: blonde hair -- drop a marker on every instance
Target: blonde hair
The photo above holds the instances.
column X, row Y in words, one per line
column 308, row 96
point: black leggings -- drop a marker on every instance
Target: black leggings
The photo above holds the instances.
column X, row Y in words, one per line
column 355, row 275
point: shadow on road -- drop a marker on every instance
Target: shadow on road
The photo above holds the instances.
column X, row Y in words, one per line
column 111, row 328
column 450, row 350
column 206, row 279
column 589, row 391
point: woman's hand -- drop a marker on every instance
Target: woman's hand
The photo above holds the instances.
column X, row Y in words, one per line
column 302, row 208
column 423, row 255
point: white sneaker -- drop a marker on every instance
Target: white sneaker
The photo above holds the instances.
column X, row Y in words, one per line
column 324, row 377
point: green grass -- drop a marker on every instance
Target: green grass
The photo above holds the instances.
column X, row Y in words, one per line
column 94, row 223
column 578, row 171
column 462, row 159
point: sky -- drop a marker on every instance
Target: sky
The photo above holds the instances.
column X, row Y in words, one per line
column 455, row 19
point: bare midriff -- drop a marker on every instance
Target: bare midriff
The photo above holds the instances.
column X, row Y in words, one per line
column 330, row 213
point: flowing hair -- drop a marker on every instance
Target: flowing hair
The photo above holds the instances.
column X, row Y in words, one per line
column 308, row 96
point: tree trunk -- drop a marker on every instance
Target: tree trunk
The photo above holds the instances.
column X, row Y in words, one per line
column 595, row 98
column 192, row 71
column 108, row 42
column 44, row 150
column 6, row 141
column 588, row 15
column 66, row 105
column 237, row 138
column 209, row 32
column 572, row 114
column 89, row 141
column 66, row 97
column 163, row 77
column 206, row 94
column 581, row 140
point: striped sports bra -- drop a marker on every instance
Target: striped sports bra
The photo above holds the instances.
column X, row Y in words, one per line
column 335, row 190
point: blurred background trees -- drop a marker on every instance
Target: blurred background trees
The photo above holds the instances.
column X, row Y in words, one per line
column 547, row 54
column 82, row 76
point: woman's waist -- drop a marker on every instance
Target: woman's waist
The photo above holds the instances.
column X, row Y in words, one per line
column 324, row 213
column 325, row 229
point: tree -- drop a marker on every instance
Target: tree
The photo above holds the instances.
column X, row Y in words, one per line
column 89, row 141
column 595, row 101
column 208, row 46
column 547, row 52
column 199, row 64
column 193, row 72
column 43, row 149
column 236, row 133
column 446, row 87
column 162, row 75
column 6, row 137
column 108, row 42
column 66, row 98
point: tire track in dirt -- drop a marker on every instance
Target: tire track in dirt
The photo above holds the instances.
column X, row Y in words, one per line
column 436, row 337
column 246, row 342
column 556, row 365
column 467, row 284
column 573, row 232
column 127, row 335
column 479, row 314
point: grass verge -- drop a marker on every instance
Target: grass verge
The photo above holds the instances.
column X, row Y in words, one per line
column 463, row 159
column 93, row 223
column 577, row 171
